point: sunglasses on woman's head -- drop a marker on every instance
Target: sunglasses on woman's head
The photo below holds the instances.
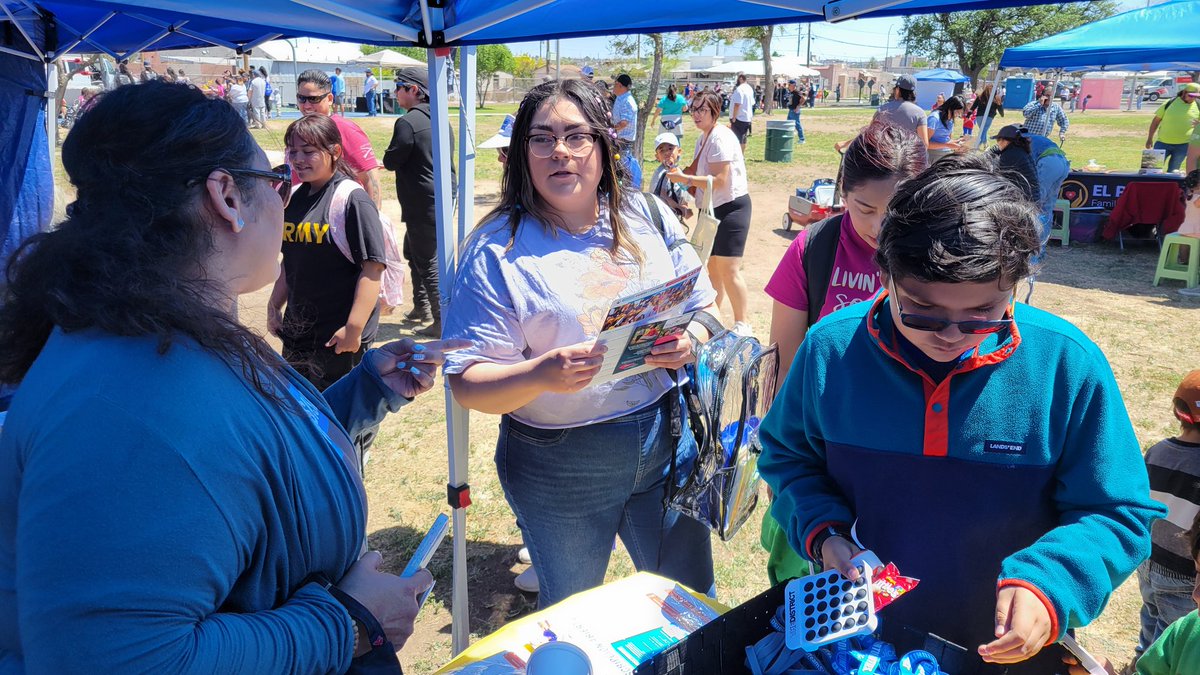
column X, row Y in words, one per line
column 935, row 325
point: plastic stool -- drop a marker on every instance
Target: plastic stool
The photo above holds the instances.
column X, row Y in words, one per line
column 1169, row 266
column 1061, row 232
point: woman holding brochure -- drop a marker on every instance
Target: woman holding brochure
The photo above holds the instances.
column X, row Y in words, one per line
column 579, row 462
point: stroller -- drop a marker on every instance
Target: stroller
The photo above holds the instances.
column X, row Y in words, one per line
column 818, row 202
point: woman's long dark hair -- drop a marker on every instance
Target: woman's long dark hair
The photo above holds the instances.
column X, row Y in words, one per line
column 321, row 132
column 671, row 93
column 952, row 104
column 129, row 258
column 517, row 193
column 956, row 223
column 881, row 151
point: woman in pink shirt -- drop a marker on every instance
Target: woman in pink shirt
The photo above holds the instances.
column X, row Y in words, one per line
column 875, row 162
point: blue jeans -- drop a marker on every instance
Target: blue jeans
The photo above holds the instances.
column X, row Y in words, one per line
column 371, row 103
column 630, row 162
column 574, row 489
column 983, row 129
column 1176, row 153
column 1166, row 596
column 794, row 116
column 1051, row 171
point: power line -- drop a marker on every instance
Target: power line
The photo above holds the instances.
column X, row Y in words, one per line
column 843, row 42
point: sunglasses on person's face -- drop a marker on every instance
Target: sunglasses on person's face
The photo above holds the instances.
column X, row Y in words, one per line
column 311, row 100
column 280, row 177
column 936, row 325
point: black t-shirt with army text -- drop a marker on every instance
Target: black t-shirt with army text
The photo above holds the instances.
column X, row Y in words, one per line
column 321, row 280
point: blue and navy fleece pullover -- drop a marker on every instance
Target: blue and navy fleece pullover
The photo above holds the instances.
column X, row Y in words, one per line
column 1020, row 467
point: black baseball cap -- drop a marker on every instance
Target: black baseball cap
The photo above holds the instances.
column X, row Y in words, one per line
column 414, row 75
column 624, row 80
column 1010, row 132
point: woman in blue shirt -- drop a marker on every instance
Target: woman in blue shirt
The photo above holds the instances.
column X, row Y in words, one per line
column 671, row 108
column 939, row 129
column 174, row 497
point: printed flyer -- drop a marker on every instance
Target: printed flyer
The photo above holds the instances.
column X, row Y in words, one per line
column 637, row 323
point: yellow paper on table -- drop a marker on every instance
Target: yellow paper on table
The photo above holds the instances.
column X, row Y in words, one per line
column 618, row 626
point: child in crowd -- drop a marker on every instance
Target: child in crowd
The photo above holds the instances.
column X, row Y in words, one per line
column 667, row 152
column 1019, row 513
column 881, row 157
column 1177, row 650
column 1168, row 578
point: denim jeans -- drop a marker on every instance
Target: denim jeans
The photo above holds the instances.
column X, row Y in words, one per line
column 984, row 126
column 1051, row 171
column 630, row 161
column 1166, row 596
column 574, row 489
column 1176, row 153
column 794, row 116
column 371, row 103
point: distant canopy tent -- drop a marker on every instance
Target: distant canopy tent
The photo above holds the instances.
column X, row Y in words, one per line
column 1162, row 37
column 936, row 81
column 387, row 58
column 123, row 28
column 779, row 67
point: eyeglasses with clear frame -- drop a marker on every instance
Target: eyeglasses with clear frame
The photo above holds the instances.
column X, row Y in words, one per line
column 579, row 144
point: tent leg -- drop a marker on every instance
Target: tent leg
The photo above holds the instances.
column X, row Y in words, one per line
column 51, row 107
column 456, row 415
column 988, row 110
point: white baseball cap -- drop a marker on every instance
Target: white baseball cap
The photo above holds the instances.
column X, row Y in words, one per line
column 666, row 137
column 502, row 138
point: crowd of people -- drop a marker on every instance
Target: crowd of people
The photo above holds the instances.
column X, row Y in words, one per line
column 233, row 533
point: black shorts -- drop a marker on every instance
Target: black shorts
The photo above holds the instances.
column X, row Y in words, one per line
column 733, row 229
column 741, row 130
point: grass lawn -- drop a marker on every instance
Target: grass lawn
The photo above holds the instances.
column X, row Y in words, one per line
column 1149, row 335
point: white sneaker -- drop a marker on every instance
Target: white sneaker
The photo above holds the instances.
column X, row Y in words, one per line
column 743, row 329
column 527, row 581
column 523, row 556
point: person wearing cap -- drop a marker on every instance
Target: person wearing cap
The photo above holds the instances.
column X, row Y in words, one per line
column 410, row 156
column 1015, row 155
column 588, row 73
column 314, row 96
column 370, row 90
column 795, row 103
column 1042, row 113
column 1167, row 579
column 901, row 111
column 148, row 72
column 1175, row 122
column 741, row 116
column 667, row 152
column 499, row 142
column 624, row 121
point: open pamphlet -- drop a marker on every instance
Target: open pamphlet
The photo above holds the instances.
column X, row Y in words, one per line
column 637, row 322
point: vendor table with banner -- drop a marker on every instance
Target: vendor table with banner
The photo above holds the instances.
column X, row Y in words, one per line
column 1099, row 191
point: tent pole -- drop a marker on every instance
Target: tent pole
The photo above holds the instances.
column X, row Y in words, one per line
column 52, row 111
column 1132, row 90
column 456, row 415
column 988, row 110
column 466, row 143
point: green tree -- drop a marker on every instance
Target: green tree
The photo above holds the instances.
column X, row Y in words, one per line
column 526, row 65
column 762, row 36
column 666, row 47
column 873, row 63
column 489, row 60
column 980, row 37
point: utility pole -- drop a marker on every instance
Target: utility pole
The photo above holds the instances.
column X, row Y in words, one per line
column 808, row 59
column 799, row 36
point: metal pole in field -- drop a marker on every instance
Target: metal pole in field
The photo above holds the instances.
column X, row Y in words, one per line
column 988, row 110
column 558, row 59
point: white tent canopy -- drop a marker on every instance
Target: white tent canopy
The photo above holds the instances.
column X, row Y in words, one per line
column 387, row 58
column 782, row 66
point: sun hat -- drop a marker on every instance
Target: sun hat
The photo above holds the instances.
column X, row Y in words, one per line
column 503, row 137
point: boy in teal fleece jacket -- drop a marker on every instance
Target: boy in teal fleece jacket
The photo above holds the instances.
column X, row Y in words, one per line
column 984, row 448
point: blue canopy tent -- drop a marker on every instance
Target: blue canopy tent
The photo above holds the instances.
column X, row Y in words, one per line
column 121, row 28
column 1162, row 37
column 936, row 81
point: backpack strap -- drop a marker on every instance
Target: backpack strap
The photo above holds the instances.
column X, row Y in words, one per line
column 820, row 249
column 657, row 219
column 337, row 215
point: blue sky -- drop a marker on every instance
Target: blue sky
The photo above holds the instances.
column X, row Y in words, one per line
column 851, row 40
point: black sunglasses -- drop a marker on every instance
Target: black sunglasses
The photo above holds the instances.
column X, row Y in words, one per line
column 280, row 177
column 301, row 98
column 935, row 325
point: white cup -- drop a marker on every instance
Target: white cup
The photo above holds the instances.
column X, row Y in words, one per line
column 558, row 658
